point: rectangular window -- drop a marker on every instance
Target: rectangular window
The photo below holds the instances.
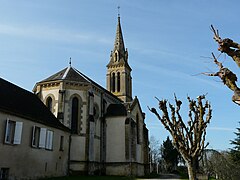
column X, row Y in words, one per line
column 42, row 138
column 61, row 143
column 35, row 136
column 13, row 133
column 4, row 173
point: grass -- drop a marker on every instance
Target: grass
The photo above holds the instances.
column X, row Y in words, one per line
column 91, row 178
column 108, row 178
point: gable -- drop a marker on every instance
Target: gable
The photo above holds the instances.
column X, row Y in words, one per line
column 135, row 108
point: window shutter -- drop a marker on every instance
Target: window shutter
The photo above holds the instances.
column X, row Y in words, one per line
column 49, row 143
column 48, row 140
column 42, row 140
column 6, row 131
column 51, row 140
column 18, row 133
column 33, row 137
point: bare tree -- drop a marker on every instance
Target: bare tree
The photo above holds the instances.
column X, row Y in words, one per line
column 221, row 165
column 154, row 150
column 155, row 154
column 232, row 49
column 188, row 139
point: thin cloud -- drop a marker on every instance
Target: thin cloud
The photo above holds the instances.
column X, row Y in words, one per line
column 173, row 74
column 51, row 33
column 220, row 129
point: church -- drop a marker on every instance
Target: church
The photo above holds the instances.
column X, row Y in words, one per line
column 72, row 125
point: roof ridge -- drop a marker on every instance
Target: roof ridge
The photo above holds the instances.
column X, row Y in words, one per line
column 66, row 72
column 81, row 74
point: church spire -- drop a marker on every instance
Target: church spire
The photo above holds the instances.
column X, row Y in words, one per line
column 119, row 55
column 119, row 43
column 119, row 80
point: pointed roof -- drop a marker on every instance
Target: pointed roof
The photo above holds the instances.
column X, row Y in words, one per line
column 119, row 49
column 119, row 43
column 68, row 73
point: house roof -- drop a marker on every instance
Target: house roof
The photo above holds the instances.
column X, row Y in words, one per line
column 20, row 102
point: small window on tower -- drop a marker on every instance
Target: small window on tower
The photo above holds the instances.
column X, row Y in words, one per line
column 118, row 82
column 113, row 82
column 116, row 57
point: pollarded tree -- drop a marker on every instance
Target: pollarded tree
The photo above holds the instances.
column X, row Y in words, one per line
column 189, row 138
column 232, row 49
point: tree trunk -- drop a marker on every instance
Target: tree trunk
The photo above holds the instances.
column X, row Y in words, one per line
column 192, row 170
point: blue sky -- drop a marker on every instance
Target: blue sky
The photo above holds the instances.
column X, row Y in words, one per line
column 169, row 44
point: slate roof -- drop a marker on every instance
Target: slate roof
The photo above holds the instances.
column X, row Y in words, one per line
column 116, row 110
column 68, row 73
column 72, row 74
column 20, row 102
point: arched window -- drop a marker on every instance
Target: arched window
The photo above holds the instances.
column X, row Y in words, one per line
column 118, row 82
column 129, row 85
column 113, row 82
column 74, row 119
column 49, row 103
column 116, row 57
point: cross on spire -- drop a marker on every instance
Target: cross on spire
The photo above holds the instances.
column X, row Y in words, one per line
column 118, row 11
column 70, row 61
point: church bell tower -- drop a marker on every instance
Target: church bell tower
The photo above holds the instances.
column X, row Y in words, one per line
column 119, row 80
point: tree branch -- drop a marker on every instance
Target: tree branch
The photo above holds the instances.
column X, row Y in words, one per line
column 227, row 46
